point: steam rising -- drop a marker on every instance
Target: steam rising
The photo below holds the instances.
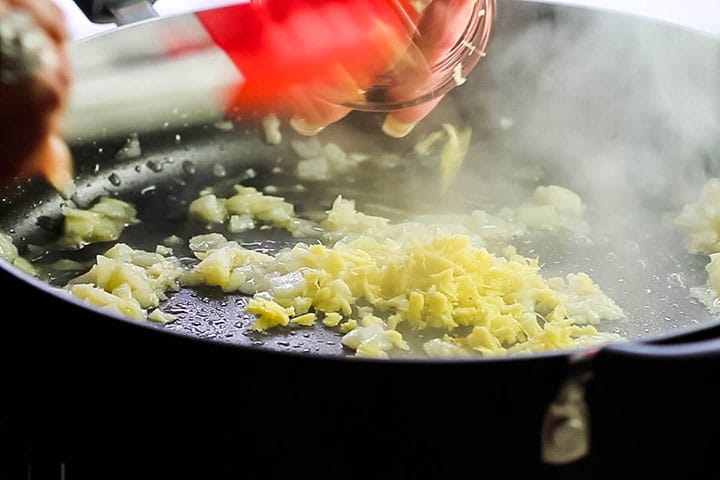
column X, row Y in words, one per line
column 623, row 110
column 612, row 101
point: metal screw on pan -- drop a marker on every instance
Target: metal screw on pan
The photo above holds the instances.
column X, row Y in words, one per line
column 24, row 48
column 566, row 425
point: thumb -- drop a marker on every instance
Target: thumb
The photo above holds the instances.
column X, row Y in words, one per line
column 401, row 122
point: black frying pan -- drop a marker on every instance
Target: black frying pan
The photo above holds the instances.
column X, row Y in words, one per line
column 593, row 99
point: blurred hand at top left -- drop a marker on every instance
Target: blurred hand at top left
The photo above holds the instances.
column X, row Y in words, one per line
column 34, row 82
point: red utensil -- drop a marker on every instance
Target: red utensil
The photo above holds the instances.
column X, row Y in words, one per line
column 325, row 46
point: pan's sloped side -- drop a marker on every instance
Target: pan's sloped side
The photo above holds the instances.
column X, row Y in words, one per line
column 154, row 404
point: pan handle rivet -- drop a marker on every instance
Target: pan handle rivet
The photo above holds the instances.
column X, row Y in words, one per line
column 566, row 426
column 569, row 434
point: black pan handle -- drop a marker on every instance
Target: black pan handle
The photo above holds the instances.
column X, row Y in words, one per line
column 682, row 352
column 699, row 345
column 639, row 404
column 654, row 406
column 116, row 11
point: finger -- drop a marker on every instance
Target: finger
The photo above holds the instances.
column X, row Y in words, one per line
column 33, row 87
column 52, row 80
column 302, row 125
column 312, row 114
column 30, row 143
column 441, row 27
column 51, row 159
column 400, row 123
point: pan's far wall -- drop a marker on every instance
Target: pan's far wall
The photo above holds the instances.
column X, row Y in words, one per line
column 700, row 14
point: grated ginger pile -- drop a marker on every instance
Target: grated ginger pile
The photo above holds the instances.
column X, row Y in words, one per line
column 372, row 278
column 378, row 283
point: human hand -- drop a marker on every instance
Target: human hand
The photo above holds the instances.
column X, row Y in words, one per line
column 316, row 60
column 34, row 84
column 448, row 32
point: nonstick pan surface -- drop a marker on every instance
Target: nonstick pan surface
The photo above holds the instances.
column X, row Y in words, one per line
column 617, row 108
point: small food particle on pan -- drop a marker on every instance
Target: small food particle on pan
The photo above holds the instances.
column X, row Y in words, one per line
column 131, row 149
column 322, row 162
column 713, row 270
column 120, row 301
column 271, row 127
column 9, row 252
column 219, row 170
column 316, row 169
column 240, row 223
column 306, row 147
column 553, row 207
column 424, row 146
column 68, row 265
column 246, row 207
column 104, row 221
column 372, row 339
column 453, row 153
column 225, row 125
column 208, row 208
column 159, row 316
column 173, row 241
column 700, row 221
column 270, row 314
column 163, row 250
column 458, row 74
column 709, row 292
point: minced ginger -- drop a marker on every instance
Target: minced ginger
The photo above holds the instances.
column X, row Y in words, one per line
column 374, row 281
column 374, row 278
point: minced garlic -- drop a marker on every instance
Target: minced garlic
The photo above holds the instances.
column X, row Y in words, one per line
column 246, row 207
column 129, row 282
column 9, row 252
column 104, row 221
column 700, row 221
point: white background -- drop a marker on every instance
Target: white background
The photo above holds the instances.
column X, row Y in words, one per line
column 701, row 14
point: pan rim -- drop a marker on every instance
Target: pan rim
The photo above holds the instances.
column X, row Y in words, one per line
column 47, row 289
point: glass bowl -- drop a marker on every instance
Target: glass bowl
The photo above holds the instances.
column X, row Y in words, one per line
column 423, row 73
